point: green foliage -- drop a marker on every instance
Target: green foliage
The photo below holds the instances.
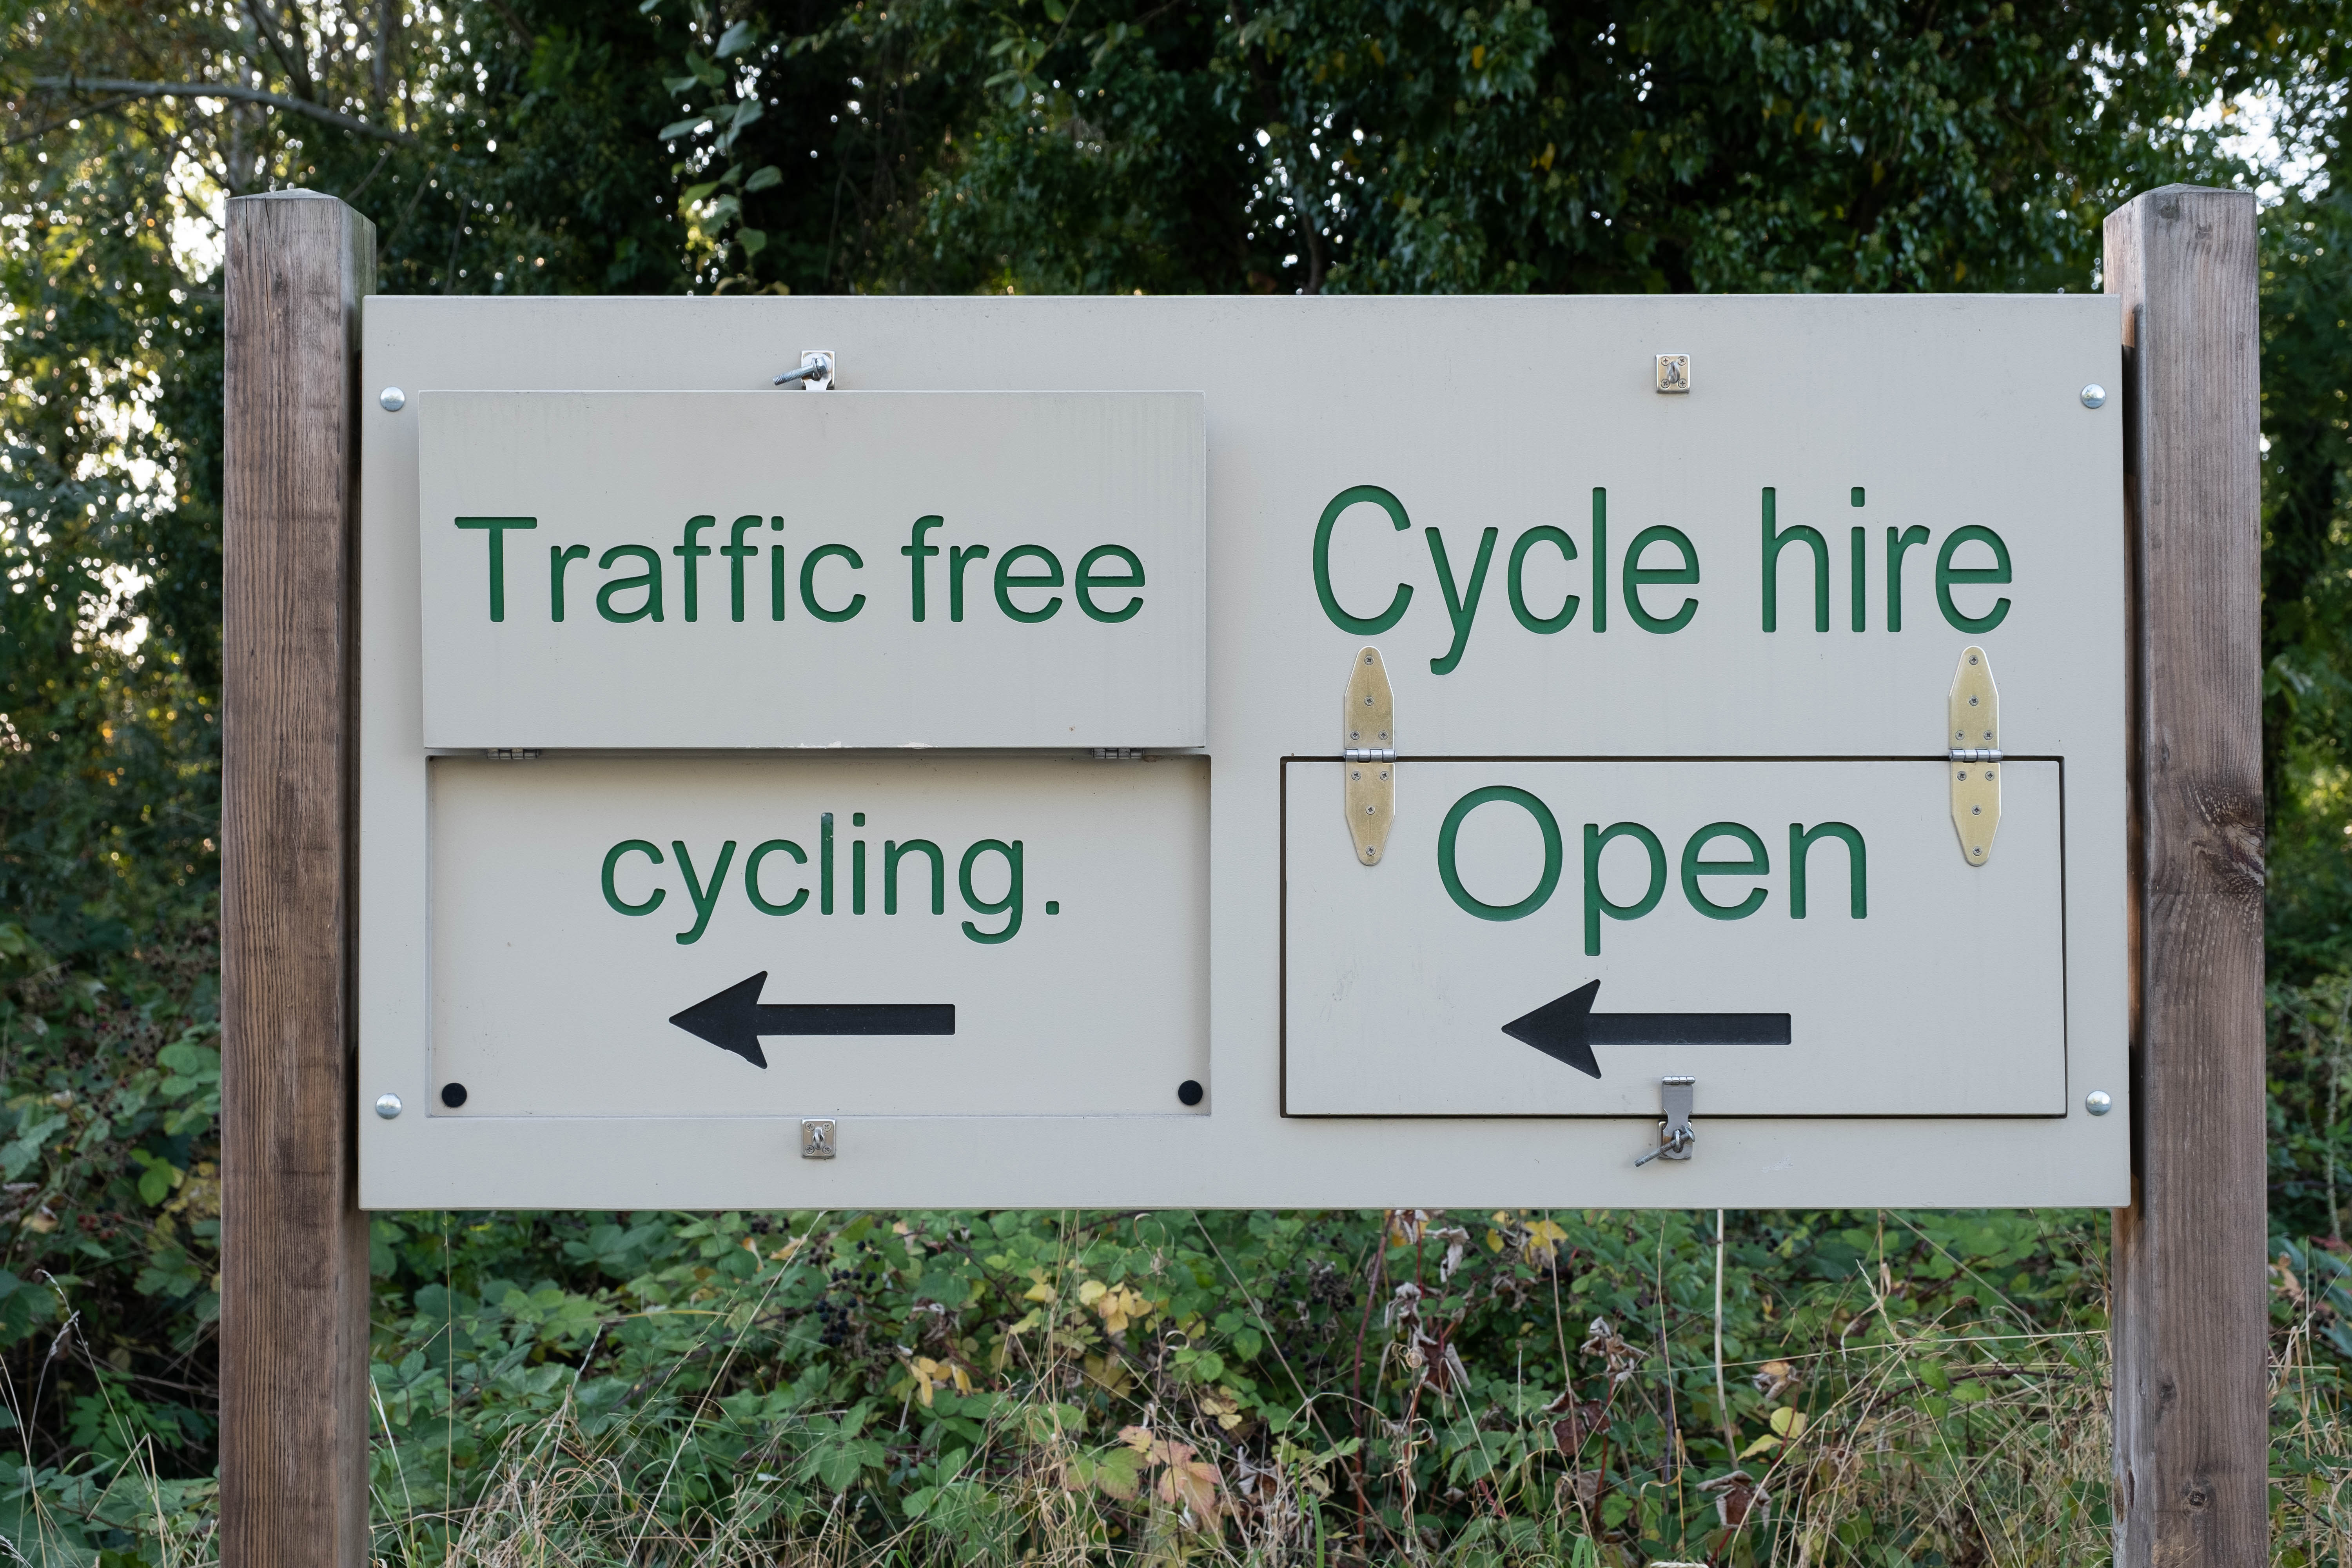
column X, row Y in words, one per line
column 979, row 1386
column 1426, row 146
column 2307, row 571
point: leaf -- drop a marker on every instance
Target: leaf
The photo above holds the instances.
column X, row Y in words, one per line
column 752, row 240
column 677, row 128
column 1789, row 1422
column 735, row 39
column 764, row 178
column 1763, row 1444
column 1115, row 1473
column 1191, row 1485
column 1108, row 1373
column 157, row 1177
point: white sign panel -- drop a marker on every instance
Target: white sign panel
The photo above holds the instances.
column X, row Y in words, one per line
column 818, row 936
column 1657, row 662
column 1805, row 938
column 859, row 569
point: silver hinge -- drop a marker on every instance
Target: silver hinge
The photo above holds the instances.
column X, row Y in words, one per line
column 1972, row 747
column 1676, row 1134
column 512, row 754
column 1114, row 753
column 1369, row 757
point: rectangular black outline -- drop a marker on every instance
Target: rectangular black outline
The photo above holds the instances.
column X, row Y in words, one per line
column 1282, row 966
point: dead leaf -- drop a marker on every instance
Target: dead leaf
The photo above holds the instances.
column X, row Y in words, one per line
column 1740, row 1499
column 1191, row 1485
column 1543, row 1241
column 1603, row 1340
column 934, row 1374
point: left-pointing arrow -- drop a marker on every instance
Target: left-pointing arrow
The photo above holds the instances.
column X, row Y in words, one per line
column 735, row 1018
column 1566, row 1028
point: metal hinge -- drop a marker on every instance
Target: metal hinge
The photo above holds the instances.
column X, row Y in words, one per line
column 1676, row 1134
column 1369, row 758
column 1115, row 754
column 818, row 1138
column 1972, row 738
column 512, row 754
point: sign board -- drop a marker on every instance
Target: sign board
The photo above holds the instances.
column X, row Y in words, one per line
column 1672, row 601
column 931, row 921
column 1791, row 973
column 745, row 569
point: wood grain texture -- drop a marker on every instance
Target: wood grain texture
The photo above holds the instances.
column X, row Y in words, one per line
column 2191, row 1325
column 294, row 1253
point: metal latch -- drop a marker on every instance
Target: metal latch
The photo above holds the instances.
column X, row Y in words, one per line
column 1972, row 734
column 1369, row 756
column 1676, row 1134
column 815, row 373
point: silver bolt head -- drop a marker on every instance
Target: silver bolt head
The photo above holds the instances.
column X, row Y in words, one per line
column 392, row 399
column 387, row 1106
column 2094, row 396
column 2098, row 1102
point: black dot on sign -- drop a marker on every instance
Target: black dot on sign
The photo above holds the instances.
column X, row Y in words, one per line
column 1053, row 906
column 453, row 1095
column 1190, row 1091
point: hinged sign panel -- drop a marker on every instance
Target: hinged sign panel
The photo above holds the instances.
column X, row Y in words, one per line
column 1669, row 603
column 818, row 936
column 853, row 569
column 1804, row 937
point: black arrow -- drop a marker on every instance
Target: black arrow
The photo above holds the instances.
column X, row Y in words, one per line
column 1567, row 1028
column 735, row 1018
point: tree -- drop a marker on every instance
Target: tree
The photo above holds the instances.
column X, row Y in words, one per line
column 1421, row 145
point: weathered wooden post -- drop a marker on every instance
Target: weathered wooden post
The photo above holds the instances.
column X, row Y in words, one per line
column 294, row 1253
column 2190, row 1319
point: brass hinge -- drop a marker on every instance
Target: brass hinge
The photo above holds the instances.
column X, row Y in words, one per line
column 1369, row 756
column 1972, row 738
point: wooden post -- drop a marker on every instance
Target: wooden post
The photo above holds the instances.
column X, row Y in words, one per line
column 2191, row 1319
column 294, row 1249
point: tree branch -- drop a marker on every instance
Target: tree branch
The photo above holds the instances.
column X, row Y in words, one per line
column 221, row 89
